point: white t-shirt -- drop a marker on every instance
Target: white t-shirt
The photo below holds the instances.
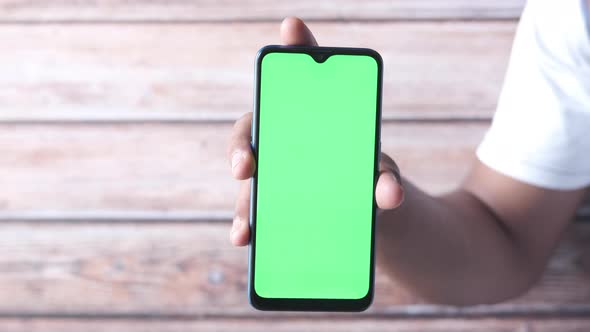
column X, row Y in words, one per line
column 541, row 130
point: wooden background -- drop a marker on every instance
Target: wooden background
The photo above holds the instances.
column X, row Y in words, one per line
column 116, row 198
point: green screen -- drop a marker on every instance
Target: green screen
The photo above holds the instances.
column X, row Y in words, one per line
column 315, row 178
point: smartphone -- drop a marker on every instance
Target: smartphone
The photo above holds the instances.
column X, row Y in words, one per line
column 316, row 140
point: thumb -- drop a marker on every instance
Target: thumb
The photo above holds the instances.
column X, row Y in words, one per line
column 389, row 192
column 295, row 32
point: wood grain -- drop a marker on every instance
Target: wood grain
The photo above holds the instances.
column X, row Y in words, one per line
column 253, row 10
column 297, row 325
column 189, row 270
column 194, row 72
column 179, row 167
column 116, row 197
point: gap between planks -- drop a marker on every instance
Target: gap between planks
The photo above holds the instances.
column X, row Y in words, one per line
column 400, row 312
column 69, row 11
column 139, row 216
column 290, row 325
column 216, row 117
column 425, row 19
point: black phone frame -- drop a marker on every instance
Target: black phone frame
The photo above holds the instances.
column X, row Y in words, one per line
column 320, row 54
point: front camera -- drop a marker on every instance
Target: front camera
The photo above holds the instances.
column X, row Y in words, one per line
column 319, row 58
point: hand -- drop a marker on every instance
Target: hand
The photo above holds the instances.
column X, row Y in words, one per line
column 389, row 193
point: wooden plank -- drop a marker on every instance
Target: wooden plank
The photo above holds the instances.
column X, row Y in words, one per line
column 253, row 10
column 293, row 325
column 178, row 171
column 189, row 270
column 194, row 72
column 179, row 167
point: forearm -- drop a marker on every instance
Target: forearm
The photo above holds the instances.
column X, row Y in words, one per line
column 452, row 249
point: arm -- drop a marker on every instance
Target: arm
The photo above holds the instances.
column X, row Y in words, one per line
column 487, row 241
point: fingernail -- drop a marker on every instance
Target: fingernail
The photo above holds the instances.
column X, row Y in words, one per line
column 398, row 178
column 403, row 196
column 235, row 225
column 236, row 158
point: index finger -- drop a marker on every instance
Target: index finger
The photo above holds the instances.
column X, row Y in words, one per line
column 239, row 152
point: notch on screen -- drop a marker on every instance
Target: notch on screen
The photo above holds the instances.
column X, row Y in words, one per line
column 320, row 56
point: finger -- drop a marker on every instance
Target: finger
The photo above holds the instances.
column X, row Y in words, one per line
column 295, row 32
column 240, row 230
column 239, row 152
column 389, row 192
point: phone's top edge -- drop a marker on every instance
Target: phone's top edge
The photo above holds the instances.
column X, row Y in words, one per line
column 313, row 49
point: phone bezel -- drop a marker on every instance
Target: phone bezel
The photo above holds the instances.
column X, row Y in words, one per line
column 298, row 304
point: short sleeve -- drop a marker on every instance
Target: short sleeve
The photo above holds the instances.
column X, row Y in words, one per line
column 540, row 133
